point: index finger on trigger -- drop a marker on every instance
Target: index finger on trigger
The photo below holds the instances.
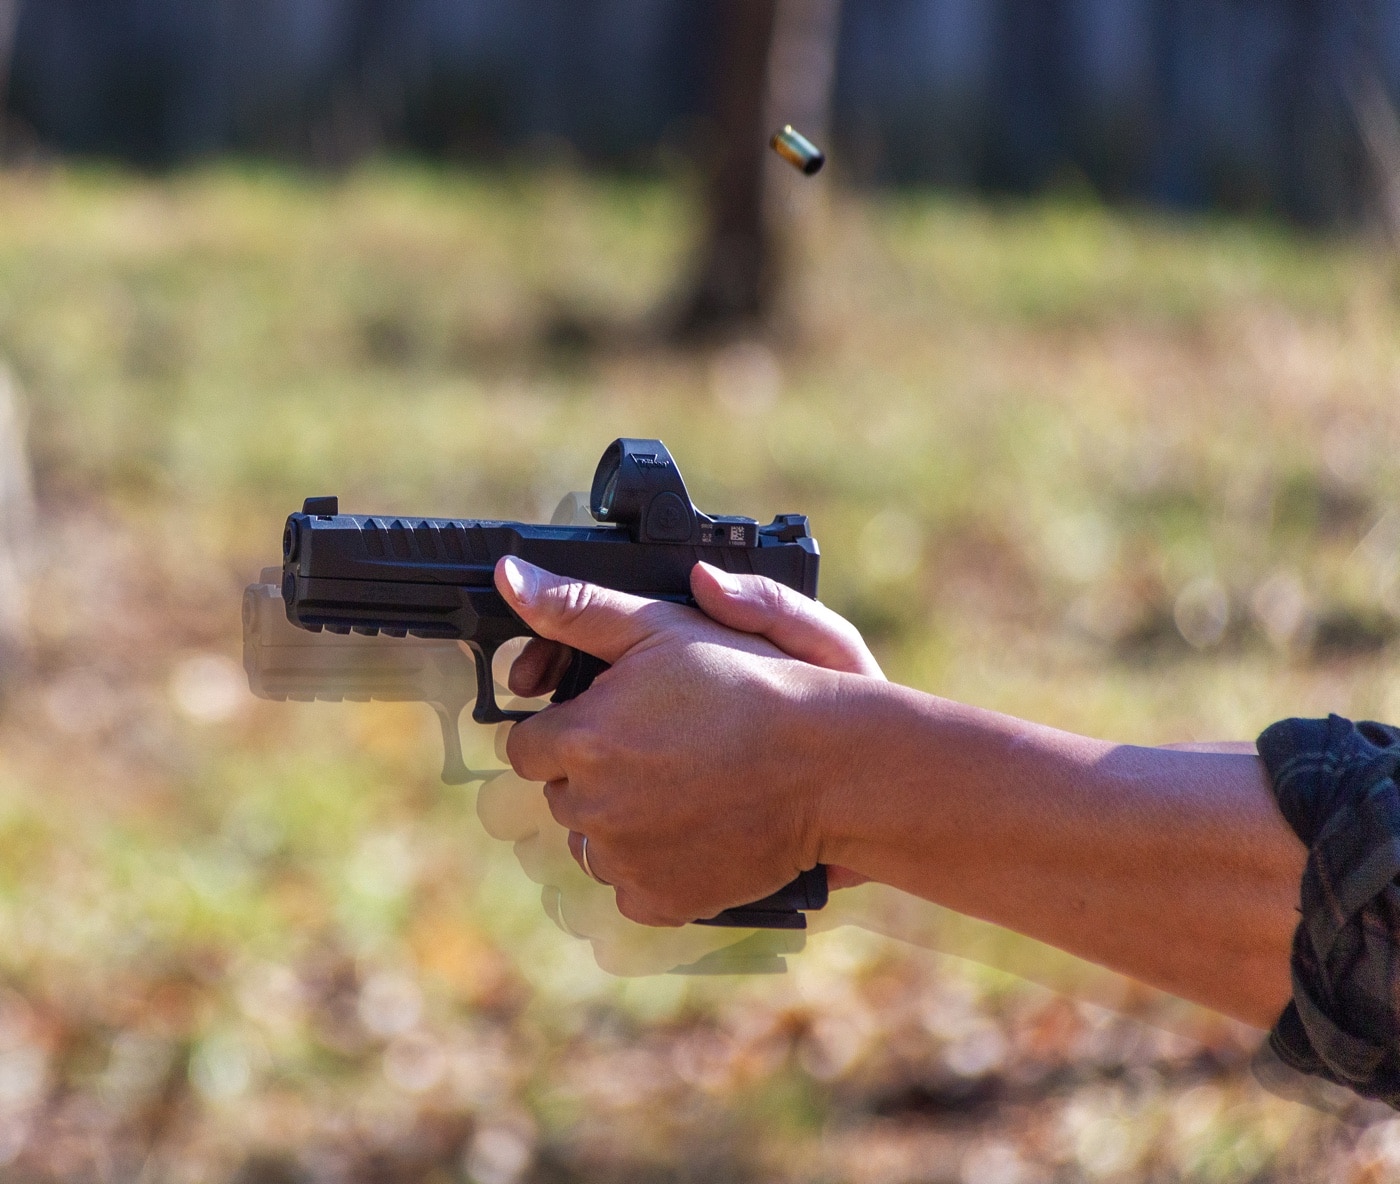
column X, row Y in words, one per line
column 538, row 668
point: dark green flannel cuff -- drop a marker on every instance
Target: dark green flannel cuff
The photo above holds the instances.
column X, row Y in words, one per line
column 1335, row 784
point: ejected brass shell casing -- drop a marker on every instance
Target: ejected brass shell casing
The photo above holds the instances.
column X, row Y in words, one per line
column 798, row 150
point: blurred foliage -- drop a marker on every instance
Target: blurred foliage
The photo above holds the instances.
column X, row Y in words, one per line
column 1126, row 475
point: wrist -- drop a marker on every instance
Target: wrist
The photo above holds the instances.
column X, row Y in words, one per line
column 895, row 764
column 847, row 727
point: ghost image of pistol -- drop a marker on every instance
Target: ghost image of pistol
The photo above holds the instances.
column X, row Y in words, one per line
column 424, row 579
column 283, row 662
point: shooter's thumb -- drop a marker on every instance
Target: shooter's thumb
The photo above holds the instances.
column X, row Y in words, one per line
column 596, row 620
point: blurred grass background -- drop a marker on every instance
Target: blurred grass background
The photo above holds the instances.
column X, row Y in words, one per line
column 1129, row 475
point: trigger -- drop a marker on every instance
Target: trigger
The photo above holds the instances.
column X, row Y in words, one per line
column 583, row 669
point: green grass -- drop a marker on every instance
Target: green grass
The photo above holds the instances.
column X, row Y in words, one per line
column 1038, row 443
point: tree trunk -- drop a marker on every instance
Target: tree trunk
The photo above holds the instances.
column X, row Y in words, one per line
column 16, row 532
column 9, row 19
column 1379, row 125
column 733, row 286
column 774, row 65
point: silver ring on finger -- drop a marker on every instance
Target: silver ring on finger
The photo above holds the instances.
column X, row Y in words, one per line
column 588, row 871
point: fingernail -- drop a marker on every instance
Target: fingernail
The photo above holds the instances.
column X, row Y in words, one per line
column 521, row 577
column 727, row 582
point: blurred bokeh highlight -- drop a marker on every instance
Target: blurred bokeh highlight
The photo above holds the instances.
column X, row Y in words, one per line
column 1082, row 354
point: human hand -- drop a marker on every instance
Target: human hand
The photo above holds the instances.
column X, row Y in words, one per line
column 802, row 628
column 514, row 811
column 695, row 764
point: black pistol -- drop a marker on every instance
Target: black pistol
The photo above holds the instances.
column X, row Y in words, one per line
column 434, row 578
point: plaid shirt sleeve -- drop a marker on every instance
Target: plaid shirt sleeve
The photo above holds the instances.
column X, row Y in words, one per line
column 1335, row 782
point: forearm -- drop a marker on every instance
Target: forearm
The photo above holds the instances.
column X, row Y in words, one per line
column 1171, row 866
column 1174, row 867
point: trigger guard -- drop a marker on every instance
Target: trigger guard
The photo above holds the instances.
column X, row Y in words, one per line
column 489, row 713
column 486, row 709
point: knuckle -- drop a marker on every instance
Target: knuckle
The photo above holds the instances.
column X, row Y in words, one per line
column 658, row 615
column 636, row 909
column 845, row 634
column 574, row 600
column 574, row 810
column 562, row 802
column 642, row 909
column 841, row 640
column 584, row 749
column 846, row 630
column 772, row 597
